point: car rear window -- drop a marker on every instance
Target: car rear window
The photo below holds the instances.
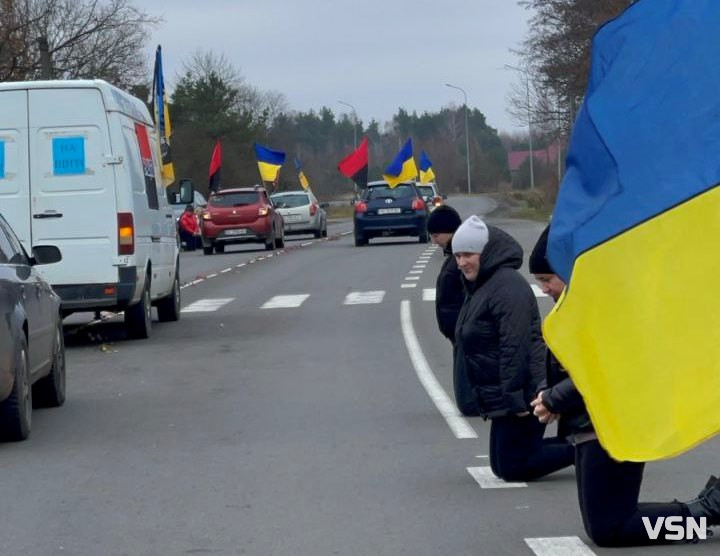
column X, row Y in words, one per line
column 234, row 199
column 386, row 192
column 426, row 191
column 291, row 201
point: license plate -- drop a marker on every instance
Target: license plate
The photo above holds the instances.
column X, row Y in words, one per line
column 389, row 211
column 236, row 232
column 293, row 218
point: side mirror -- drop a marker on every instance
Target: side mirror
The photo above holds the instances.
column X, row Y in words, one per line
column 187, row 192
column 46, row 254
column 444, row 196
column 352, row 202
column 324, row 205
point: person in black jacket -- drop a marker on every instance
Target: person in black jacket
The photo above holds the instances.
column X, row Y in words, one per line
column 608, row 490
column 499, row 343
column 449, row 297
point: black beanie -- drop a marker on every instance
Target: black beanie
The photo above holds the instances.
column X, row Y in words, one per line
column 538, row 262
column 443, row 220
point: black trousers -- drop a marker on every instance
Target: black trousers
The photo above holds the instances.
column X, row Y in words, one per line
column 608, row 492
column 464, row 396
column 518, row 451
column 191, row 241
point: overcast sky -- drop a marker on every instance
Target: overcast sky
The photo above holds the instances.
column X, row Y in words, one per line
column 375, row 54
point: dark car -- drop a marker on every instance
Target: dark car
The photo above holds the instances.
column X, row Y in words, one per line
column 32, row 351
column 241, row 215
column 382, row 211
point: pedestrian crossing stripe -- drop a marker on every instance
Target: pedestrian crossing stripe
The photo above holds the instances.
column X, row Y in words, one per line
column 487, row 479
column 429, row 294
column 207, row 305
column 552, row 546
column 364, row 298
column 285, row 301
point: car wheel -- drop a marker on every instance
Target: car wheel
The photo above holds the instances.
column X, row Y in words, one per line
column 280, row 242
column 360, row 240
column 270, row 243
column 49, row 391
column 424, row 237
column 324, row 231
column 219, row 247
column 138, row 317
column 169, row 307
column 208, row 250
column 16, row 410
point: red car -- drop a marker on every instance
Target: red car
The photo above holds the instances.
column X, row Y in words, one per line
column 241, row 215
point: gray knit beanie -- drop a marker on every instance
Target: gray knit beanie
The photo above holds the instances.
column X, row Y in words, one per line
column 471, row 236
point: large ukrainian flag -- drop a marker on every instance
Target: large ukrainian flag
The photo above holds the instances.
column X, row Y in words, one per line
column 636, row 230
column 269, row 162
column 403, row 168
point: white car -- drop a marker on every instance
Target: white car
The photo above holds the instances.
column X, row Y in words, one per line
column 430, row 195
column 302, row 213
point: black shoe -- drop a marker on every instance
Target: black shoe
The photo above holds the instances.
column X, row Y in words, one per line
column 707, row 503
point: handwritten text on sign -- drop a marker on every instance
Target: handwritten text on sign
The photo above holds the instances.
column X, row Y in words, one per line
column 68, row 155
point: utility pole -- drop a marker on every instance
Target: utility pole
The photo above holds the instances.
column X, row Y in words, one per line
column 355, row 121
column 529, row 116
column 467, row 133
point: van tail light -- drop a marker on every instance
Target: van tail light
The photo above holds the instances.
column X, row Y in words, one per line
column 418, row 204
column 126, row 233
column 360, row 206
column 437, row 201
column 313, row 209
column 263, row 211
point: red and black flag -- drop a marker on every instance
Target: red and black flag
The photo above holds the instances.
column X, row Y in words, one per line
column 355, row 166
column 215, row 164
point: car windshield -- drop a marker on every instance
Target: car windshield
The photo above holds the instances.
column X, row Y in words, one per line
column 234, row 199
column 386, row 192
column 291, row 201
column 426, row 190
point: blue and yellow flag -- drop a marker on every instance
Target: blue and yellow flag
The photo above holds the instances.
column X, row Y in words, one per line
column 269, row 162
column 635, row 233
column 403, row 168
column 426, row 172
column 161, row 117
column 301, row 175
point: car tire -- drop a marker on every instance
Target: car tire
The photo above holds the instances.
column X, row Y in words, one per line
column 219, row 247
column 318, row 233
column 324, row 231
column 280, row 242
column 424, row 237
column 138, row 317
column 16, row 410
column 208, row 250
column 270, row 244
column 360, row 240
column 49, row 391
column 168, row 307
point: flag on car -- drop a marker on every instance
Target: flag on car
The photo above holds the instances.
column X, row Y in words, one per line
column 355, row 165
column 635, row 231
column 426, row 172
column 269, row 162
column 161, row 117
column 301, row 175
column 215, row 167
column 403, row 167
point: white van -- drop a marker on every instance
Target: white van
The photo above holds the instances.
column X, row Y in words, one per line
column 80, row 169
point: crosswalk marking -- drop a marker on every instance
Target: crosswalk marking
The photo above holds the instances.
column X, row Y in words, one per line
column 412, row 277
column 364, row 298
column 559, row 546
column 429, row 294
column 423, row 266
column 285, row 301
column 538, row 292
column 487, row 479
column 207, row 305
column 409, row 285
column 416, row 272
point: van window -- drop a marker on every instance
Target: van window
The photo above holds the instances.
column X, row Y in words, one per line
column 234, row 199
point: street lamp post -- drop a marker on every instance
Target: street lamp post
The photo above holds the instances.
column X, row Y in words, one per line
column 354, row 121
column 529, row 115
column 467, row 133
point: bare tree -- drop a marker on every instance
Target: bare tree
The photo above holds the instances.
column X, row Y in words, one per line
column 86, row 39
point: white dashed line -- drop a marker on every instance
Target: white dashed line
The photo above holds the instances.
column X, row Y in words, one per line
column 429, row 294
column 538, row 291
column 207, row 305
column 364, row 298
column 487, row 479
column 285, row 301
column 306, row 244
column 412, row 277
column 457, row 423
column 416, row 272
column 211, row 276
column 226, row 270
column 422, row 266
column 408, row 285
column 240, row 265
column 559, row 546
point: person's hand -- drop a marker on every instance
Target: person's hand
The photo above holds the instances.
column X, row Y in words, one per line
column 522, row 414
column 541, row 411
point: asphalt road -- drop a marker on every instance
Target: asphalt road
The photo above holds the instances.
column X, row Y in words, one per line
column 299, row 430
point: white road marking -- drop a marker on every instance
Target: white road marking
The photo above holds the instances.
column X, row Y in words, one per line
column 240, row 265
column 429, row 294
column 422, row 266
column 285, row 301
column 538, row 292
column 409, row 285
column 482, row 457
column 364, row 298
column 270, row 256
column 457, row 423
column 226, row 270
column 487, row 479
column 412, row 277
column 416, row 272
column 306, row 244
column 198, row 281
column 207, row 305
column 423, row 258
column 559, row 546
column 345, row 233
column 211, row 276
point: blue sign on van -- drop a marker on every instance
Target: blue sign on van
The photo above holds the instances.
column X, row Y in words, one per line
column 68, row 155
column 2, row 159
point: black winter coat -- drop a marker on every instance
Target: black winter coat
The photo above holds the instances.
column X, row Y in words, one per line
column 450, row 294
column 562, row 397
column 498, row 335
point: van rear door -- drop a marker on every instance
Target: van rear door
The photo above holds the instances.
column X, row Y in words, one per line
column 14, row 174
column 72, row 192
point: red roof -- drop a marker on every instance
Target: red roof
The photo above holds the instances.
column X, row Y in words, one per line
column 546, row 156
